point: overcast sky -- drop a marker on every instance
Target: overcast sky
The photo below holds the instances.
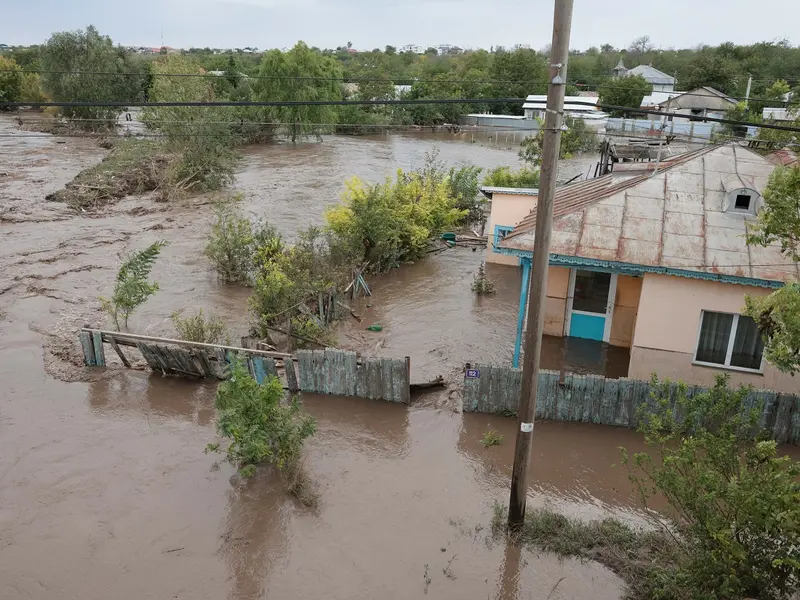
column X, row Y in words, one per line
column 375, row 23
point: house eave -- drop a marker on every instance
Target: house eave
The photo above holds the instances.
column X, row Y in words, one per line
column 563, row 260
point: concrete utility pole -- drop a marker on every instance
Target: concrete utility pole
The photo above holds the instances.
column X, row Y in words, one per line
column 747, row 93
column 554, row 119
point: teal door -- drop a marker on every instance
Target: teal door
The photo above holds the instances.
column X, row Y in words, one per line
column 591, row 304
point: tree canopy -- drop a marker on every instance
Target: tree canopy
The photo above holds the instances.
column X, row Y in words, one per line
column 625, row 91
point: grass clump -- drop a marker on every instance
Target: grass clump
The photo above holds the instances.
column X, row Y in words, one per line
column 481, row 284
column 643, row 559
column 198, row 327
column 491, row 438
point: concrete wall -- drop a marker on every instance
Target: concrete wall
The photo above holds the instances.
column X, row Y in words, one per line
column 508, row 210
column 626, row 307
column 667, row 325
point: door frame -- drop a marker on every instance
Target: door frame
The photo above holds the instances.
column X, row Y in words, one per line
column 612, row 297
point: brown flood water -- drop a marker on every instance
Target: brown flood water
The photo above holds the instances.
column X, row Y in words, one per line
column 104, row 486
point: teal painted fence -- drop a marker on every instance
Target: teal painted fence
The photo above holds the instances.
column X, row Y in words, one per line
column 595, row 399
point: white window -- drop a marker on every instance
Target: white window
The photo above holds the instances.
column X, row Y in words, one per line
column 729, row 340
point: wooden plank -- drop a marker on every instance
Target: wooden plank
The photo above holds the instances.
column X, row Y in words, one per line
column 130, row 339
column 609, row 402
column 116, row 348
column 99, row 352
column 623, row 416
column 88, row 348
column 153, row 359
column 305, row 370
column 205, row 365
column 374, row 379
column 484, row 399
column 352, row 373
column 186, row 362
column 319, row 372
column 400, row 383
column 291, row 375
column 386, row 379
column 259, row 372
column 270, row 368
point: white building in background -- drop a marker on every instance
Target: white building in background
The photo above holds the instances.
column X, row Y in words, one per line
column 660, row 81
column 577, row 107
column 413, row 48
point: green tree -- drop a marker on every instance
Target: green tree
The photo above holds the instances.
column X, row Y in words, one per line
column 260, row 426
column 70, row 59
column 625, row 91
column 518, row 73
column 778, row 315
column 710, row 69
column 577, row 138
column 10, row 81
column 198, row 137
column 505, row 177
column 299, row 74
column 734, row 502
column 132, row 288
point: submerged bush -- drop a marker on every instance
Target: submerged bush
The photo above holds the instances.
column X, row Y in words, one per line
column 505, row 177
column 260, row 427
column 481, row 284
column 198, row 327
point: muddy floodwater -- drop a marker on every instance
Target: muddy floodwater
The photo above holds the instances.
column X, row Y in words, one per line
column 104, row 487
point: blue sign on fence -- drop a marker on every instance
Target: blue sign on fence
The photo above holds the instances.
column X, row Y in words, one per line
column 473, row 373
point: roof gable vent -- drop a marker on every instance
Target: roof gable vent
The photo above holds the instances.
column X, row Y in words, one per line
column 739, row 197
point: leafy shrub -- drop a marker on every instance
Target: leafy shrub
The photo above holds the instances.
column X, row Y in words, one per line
column 390, row 223
column 199, row 328
column 491, row 438
column 132, row 288
column 237, row 247
column 505, row 177
column 308, row 328
column 482, row 284
column 576, row 138
column 735, row 503
column 10, row 80
column 32, row 89
column 260, row 427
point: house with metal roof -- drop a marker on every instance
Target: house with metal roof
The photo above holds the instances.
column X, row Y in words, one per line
column 657, row 262
column 577, row 107
column 660, row 81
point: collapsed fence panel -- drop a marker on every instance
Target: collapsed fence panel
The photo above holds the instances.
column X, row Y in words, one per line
column 595, row 399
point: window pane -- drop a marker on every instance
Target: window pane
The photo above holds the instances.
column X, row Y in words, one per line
column 747, row 346
column 715, row 332
column 591, row 291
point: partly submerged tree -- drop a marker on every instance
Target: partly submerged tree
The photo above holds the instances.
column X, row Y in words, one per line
column 625, row 92
column 10, row 81
column 132, row 288
column 734, row 501
column 71, row 61
column 260, row 426
column 778, row 315
column 299, row 74
column 576, row 138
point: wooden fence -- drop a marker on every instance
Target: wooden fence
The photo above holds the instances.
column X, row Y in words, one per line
column 328, row 371
column 595, row 399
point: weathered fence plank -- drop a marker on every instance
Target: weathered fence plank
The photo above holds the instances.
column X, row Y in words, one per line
column 618, row 402
column 291, row 376
column 88, row 349
column 99, row 353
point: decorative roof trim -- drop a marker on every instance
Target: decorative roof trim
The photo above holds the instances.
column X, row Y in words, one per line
column 562, row 260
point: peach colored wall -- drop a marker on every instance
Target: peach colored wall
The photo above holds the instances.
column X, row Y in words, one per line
column 626, row 306
column 667, row 324
column 556, row 303
column 507, row 209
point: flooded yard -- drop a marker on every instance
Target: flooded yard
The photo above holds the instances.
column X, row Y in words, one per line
column 103, row 481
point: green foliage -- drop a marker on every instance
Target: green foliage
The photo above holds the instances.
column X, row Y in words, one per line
column 306, row 327
column 710, row 69
column 577, row 138
column 285, row 277
column 238, row 248
column 197, row 137
column 505, row 177
column 387, row 224
column 645, row 560
column 260, row 427
column 281, row 70
column 10, row 81
column 132, row 289
column 778, row 319
column 734, row 502
column 625, row 91
column 778, row 315
column 31, row 89
column 481, row 284
column 68, row 54
column 491, row 438
column 198, row 327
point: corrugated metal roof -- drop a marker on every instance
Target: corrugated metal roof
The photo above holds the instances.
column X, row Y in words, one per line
column 658, row 98
column 651, row 74
column 674, row 218
column 571, row 103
